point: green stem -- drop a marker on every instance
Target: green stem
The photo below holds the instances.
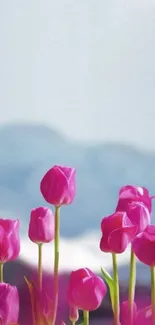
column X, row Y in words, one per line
column 40, row 265
column 56, row 263
column 132, row 282
column 116, row 290
column 1, row 272
column 86, row 317
column 73, row 323
column 153, row 293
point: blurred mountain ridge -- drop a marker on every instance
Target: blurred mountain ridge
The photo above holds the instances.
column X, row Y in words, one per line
column 29, row 150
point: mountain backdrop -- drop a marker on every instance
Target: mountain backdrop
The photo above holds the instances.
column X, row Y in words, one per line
column 28, row 151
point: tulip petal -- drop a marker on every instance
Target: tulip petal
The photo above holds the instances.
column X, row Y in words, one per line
column 120, row 238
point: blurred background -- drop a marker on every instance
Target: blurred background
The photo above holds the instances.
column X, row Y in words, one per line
column 77, row 88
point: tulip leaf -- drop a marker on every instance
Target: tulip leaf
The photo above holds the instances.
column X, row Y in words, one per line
column 110, row 282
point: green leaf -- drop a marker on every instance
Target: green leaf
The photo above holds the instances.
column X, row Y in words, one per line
column 110, row 282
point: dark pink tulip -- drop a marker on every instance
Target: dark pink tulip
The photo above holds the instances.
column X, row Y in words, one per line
column 144, row 246
column 129, row 193
column 144, row 316
column 86, row 290
column 58, row 186
column 139, row 215
column 9, row 304
column 125, row 313
column 117, row 233
column 73, row 314
column 41, row 226
column 9, row 240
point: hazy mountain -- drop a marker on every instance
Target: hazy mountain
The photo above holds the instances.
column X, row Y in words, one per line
column 27, row 151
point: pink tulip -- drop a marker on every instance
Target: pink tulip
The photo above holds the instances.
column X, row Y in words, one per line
column 41, row 226
column 144, row 246
column 129, row 193
column 9, row 240
column 125, row 313
column 58, row 185
column 139, row 215
column 73, row 314
column 86, row 290
column 9, row 304
column 144, row 316
column 117, row 233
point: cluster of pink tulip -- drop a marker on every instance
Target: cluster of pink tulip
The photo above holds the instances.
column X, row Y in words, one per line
column 129, row 224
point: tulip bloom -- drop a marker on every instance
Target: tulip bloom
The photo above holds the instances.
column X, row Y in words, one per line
column 129, row 193
column 58, row 185
column 41, row 226
column 73, row 314
column 117, row 233
column 86, row 290
column 139, row 215
column 144, row 316
column 9, row 304
column 144, row 246
column 9, row 240
column 125, row 313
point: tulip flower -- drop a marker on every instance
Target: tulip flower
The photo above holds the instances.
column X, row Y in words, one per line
column 144, row 316
column 117, row 233
column 41, row 230
column 58, row 185
column 139, row 215
column 129, row 193
column 9, row 304
column 86, row 290
column 144, row 246
column 41, row 226
column 73, row 314
column 125, row 313
column 144, row 249
column 9, row 240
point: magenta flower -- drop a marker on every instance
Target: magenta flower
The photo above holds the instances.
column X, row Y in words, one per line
column 58, row 185
column 144, row 246
column 9, row 240
column 125, row 313
column 73, row 314
column 144, row 316
column 86, row 290
column 117, row 233
column 129, row 193
column 41, row 226
column 9, row 304
column 139, row 215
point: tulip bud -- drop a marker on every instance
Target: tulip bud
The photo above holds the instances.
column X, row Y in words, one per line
column 86, row 290
column 58, row 185
column 9, row 240
column 9, row 304
column 73, row 314
column 125, row 313
column 41, row 226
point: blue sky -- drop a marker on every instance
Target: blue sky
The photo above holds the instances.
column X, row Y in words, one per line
column 84, row 67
